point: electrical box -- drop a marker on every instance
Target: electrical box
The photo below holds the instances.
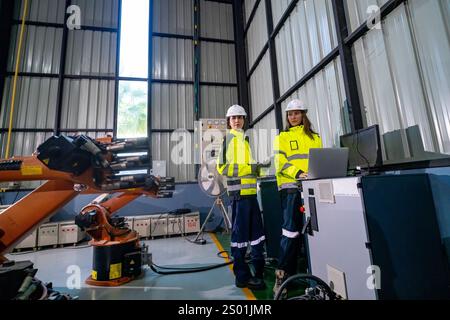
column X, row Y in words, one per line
column 29, row 242
column 175, row 225
column 363, row 237
column 48, row 235
column 209, row 135
column 192, row 223
column 142, row 226
column 69, row 233
column 159, row 226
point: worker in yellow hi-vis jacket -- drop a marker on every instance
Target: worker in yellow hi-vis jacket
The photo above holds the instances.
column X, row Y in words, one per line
column 291, row 149
column 241, row 171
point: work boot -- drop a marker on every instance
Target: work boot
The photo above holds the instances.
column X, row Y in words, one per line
column 280, row 278
column 252, row 284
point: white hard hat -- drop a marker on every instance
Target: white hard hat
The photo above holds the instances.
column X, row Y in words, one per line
column 236, row 111
column 296, row 105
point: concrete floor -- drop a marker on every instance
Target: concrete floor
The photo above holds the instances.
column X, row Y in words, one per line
column 58, row 265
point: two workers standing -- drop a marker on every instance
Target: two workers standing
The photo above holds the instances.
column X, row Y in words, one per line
column 235, row 162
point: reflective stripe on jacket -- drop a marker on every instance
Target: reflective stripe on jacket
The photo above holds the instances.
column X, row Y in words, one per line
column 236, row 163
column 291, row 150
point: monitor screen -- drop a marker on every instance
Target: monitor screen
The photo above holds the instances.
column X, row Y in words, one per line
column 365, row 148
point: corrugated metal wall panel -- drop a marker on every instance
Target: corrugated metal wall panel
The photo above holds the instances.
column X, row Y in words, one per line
column 98, row 13
column 306, row 38
column 88, row 104
column 41, row 49
column 173, row 16
column 216, row 20
column 172, row 106
column 91, row 53
column 408, row 99
column 35, row 103
column 262, row 137
column 278, row 9
column 173, row 59
column 216, row 101
column 22, row 144
column 261, row 93
column 218, row 62
column 52, row 11
column 164, row 149
column 257, row 35
column 248, row 7
column 359, row 11
column 323, row 95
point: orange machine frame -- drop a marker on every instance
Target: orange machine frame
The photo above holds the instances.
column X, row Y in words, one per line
column 19, row 220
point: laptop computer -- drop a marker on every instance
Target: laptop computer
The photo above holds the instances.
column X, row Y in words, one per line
column 328, row 163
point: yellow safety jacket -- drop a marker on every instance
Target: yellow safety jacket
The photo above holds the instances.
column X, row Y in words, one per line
column 235, row 162
column 291, row 150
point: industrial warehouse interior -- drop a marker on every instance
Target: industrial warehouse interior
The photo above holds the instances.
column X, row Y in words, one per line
column 232, row 150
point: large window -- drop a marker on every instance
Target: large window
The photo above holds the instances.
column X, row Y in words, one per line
column 134, row 45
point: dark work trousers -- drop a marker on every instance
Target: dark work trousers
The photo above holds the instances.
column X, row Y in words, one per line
column 247, row 230
column 291, row 238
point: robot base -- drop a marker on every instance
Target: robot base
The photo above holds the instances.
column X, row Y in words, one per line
column 115, row 264
column 112, row 283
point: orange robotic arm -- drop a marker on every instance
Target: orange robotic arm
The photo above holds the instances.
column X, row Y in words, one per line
column 73, row 165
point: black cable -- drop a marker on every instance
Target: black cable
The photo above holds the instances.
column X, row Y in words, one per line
column 330, row 293
column 179, row 270
column 187, row 270
column 360, row 154
column 222, row 252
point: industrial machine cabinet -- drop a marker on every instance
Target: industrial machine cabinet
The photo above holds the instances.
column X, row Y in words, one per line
column 272, row 214
column 29, row 242
column 69, row 233
column 192, row 223
column 175, row 225
column 159, row 226
column 142, row 226
column 48, row 235
column 376, row 237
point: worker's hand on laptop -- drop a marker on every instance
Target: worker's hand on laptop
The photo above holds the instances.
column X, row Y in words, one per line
column 303, row 176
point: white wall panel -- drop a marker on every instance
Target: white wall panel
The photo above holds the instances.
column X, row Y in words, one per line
column 306, row 38
column 98, row 13
column 173, row 16
column 41, row 49
column 173, row 59
column 248, row 7
column 359, row 11
column 35, row 103
column 218, row 62
column 408, row 99
column 216, row 20
column 278, row 9
column 172, row 106
column 430, row 21
column 52, row 11
column 91, row 53
column 22, row 144
column 167, row 148
column 88, row 104
column 261, row 93
column 257, row 35
column 262, row 137
column 216, row 100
